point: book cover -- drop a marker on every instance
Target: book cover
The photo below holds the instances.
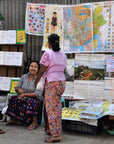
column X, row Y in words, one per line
column 92, row 113
column 14, row 83
column 21, row 36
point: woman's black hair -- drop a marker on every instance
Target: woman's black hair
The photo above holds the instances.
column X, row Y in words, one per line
column 37, row 64
column 53, row 39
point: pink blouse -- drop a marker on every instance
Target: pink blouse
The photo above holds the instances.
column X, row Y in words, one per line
column 55, row 63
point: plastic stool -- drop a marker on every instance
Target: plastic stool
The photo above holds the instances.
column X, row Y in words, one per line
column 63, row 101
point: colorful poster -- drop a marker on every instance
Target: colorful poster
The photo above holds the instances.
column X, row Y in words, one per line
column 35, row 17
column 102, row 26
column 21, row 37
column 77, row 28
column 14, row 83
column 53, row 23
column 89, row 66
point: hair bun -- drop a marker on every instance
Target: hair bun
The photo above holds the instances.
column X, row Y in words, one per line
column 56, row 41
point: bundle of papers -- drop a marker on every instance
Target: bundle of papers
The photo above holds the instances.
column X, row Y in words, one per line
column 11, row 58
column 8, row 37
column 5, row 83
column 81, row 105
column 92, row 112
column 71, row 113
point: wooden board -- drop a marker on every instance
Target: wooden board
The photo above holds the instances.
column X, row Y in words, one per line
column 3, row 71
column 12, row 71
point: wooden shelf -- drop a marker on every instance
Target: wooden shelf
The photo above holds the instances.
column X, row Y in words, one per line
column 12, row 71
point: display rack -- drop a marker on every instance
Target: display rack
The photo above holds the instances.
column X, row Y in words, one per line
column 10, row 70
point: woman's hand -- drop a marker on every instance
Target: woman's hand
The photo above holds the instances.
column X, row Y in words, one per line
column 21, row 96
column 19, row 90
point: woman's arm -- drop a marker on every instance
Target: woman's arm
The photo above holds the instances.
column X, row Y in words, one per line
column 19, row 90
column 26, row 95
column 40, row 73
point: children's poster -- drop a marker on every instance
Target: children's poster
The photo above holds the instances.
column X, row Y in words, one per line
column 53, row 23
column 77, row 28
column 35, row 17
column 21, row 37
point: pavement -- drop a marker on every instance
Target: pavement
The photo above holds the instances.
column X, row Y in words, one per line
column 18, row 134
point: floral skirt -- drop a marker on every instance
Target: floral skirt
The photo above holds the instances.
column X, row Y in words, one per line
column 23, row 109
column 53, row 106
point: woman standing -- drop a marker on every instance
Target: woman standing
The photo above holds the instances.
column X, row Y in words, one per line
column 53, row 63
column 26, row 106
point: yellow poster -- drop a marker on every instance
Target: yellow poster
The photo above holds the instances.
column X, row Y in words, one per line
column 13, row 85
column 21, row 36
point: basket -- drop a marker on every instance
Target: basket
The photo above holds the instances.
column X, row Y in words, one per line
column 78, row 126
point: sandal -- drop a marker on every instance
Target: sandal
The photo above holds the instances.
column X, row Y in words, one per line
column 53, row 139
column 31, row 127
column 1, row 131
column 48, row 132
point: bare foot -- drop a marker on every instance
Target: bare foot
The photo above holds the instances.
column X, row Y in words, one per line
column 32, row 126
column 11, row 122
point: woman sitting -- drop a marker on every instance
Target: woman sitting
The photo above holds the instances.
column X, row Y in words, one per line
column 27, row 105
